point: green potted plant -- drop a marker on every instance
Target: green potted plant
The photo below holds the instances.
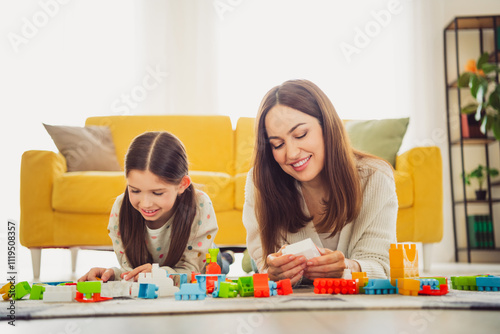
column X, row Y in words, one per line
column 480, row 173
column 481, row 78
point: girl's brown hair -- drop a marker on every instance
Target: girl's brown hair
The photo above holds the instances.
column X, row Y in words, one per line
column 278, row 202
column 164, row 155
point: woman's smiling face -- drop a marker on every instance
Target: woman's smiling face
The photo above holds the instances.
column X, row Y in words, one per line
column 296, row 140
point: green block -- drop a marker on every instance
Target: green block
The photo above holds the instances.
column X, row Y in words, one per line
column 245, row 286
column 21, row 290
column 89, row 288
column 228, row 290
column 37, row 292
column 213, row 254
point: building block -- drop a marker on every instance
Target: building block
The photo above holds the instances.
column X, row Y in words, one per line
column 408, row 286
column 284, row 287
column 59, row 293
column 134, row 290
column 433, row 283
column 6, row 291
column 89, row 288
column 362, row 279
column 403, row 261
column 190, row 291
column 489, row 283
column 212, row 268
column 273, row 288
column 182, row 278
column 226, row 290
column 21, row 289
column 148, row 291
column 160, row 278
column 380, row 286
column 116, row 289
column 464, row 283
column 89, row 292
column 37, row 291
column 440, row 279
column 335, row 286
column 261, row 285
column 201, row 279
column 426, row 290
column 305, row 247
column 245, row 286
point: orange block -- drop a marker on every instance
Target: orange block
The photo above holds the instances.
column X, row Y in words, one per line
column 403, row 261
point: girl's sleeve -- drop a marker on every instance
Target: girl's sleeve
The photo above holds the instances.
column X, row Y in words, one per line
column 114, row 234
column 254, row 243
column 203, row 232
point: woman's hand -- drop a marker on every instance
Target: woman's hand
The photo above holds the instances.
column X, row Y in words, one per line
column 134, row 274
column 330, row 264
column 285, row 266
column 98, row 273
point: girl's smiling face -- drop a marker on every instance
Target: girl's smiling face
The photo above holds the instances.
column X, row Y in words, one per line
column 296, row 139
column 153, row 197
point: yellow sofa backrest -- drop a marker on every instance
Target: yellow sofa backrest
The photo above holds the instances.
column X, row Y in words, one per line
column 208, row 139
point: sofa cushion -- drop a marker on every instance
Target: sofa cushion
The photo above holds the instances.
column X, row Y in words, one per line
column 87, row 148
column 208, row 139
column 382, row 138
column 218, row 186
column 404, row 189
column 87, row 192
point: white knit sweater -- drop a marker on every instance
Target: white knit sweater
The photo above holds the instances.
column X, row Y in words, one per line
column 366, row 240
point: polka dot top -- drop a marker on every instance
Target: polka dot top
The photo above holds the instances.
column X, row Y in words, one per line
column 203, row 232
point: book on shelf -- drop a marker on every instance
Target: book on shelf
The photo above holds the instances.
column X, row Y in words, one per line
column 480, row 228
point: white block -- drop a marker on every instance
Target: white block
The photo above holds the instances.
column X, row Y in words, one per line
column 59, row 293
column 305, row 247
column 159, row 277
column 116, row 289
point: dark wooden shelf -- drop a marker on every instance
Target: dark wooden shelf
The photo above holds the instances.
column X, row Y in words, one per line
column 474, row 22
column 474, row 141
column 475, row 201
column 463, row 249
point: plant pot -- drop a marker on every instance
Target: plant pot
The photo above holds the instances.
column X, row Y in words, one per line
column 470, row 127
column 481, row 195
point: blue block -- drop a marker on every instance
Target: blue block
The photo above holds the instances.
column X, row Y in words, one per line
column 379, row 286
column 148, row 291
column 190, row 291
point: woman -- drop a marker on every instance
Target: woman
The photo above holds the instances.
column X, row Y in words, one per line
column 308, row 182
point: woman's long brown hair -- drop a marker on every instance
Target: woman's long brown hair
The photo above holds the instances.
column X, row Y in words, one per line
column 278, row 202
column 164, row 155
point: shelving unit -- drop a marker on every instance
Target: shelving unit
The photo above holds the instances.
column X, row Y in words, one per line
column 467, row 38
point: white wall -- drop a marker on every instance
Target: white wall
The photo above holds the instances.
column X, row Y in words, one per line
column 220, row 56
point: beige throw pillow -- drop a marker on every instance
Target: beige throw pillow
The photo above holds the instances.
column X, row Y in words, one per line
column 89, row 148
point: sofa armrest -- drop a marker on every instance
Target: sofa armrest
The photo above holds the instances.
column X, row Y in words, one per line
column 38, row 171
column 424, row 164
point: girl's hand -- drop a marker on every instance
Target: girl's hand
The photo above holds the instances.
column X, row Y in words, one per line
column 134, row 274
column 98, row 273
column 285, row 266
column 330, row 264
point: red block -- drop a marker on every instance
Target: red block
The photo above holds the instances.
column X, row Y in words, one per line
column 284, row 287
column 335, row 286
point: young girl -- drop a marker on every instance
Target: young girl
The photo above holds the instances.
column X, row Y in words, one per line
column 308, row 182
column 160, row 218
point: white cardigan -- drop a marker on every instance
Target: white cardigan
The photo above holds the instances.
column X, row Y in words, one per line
column 366, row 240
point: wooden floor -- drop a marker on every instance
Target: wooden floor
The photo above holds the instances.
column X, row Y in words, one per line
column 56, row 266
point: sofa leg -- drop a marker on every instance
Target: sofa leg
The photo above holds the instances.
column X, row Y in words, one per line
column 74, row 255
column 36, row 257
column 427, row 248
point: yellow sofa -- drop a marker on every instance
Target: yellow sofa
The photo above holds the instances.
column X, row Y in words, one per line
column 61, row 209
